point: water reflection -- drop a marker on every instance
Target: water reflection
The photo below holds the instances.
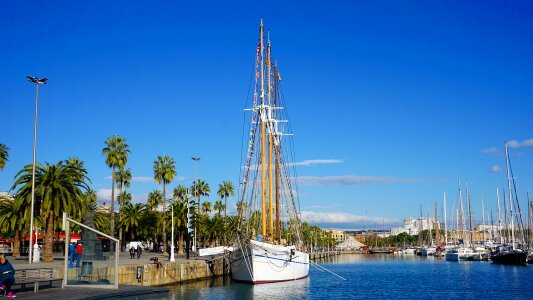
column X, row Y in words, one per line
column 379, row 276
column 225, row 288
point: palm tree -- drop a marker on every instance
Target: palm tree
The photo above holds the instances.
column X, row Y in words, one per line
column 155, row 198
column 200, row 188
column 214, row 228
column 58, row 188
column 116, row 156
column 164, row 172
column 180, row 193
column 180, row 221
column 12, row 219
column 4, row 155
column 225, row 189
column 123, row 179
column 132, row 218
column 206, row 207
column 219, row 207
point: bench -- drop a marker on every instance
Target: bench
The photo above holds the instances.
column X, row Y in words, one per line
column 35, row 276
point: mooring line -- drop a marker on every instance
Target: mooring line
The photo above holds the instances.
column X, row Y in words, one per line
column 314, row 264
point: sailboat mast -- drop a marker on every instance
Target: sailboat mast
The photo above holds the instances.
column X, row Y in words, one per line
column 278, row 221
column 263, row 146
column 483, row 218
column 437, row 227
column 430, row 238
column 510, row 195
column 471, row 230
column 461, row 218
column 270, row 189
column 499, row 216
column 445, row 224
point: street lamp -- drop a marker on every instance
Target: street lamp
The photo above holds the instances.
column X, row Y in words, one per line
column 172, row 234
column 196, row 159
column 37, row 81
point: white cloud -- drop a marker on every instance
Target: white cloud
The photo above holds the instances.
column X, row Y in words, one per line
column 357, row 180
column 104, row 195
column 343, row 218
column 494, row 150
column 495, row 169
column 312, row 162
column 522, row 144
column 142, row 179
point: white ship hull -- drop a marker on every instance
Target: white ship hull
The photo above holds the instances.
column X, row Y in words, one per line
column 260, row 262
column 459, row 254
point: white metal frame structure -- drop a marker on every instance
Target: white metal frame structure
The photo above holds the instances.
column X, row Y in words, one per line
column 66, row 227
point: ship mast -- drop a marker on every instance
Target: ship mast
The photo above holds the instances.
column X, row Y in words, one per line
column 510, row 195
column 445, row 223
column 437, row 226
column 270, row 192
column 263, row 146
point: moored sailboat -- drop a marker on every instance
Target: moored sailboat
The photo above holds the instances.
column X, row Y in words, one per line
column 263, row 250
column 510, row 253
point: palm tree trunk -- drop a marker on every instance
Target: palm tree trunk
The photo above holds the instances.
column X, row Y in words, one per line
column 16, row 244
column 112, row 208
column 164, row 218
column 180, row 243
column 49, row 238
column 120, row 241
column 197, row 227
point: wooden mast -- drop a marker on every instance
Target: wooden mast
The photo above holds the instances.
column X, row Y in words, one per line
column 270, row 210
column 437, row 226
column 263, row 150
column 276, row 159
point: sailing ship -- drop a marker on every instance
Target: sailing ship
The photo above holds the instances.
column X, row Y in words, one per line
column 512, row 253
column 263, row 249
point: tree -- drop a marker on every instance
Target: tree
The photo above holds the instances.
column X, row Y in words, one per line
column 4, row 155
column 116, row 156
column 180, row 193
column 12, row 219
column 180, row 221
column 155, row 198
column 206, row 207
column 200, row 188
column 123, row 179
column 164, row 172
column 132, row 217
column 58, row 188
column 219, row 207
column 225, row 189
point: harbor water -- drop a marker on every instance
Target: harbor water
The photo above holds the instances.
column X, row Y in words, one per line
column 379, row 277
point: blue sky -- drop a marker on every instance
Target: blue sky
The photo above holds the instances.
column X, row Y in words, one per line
column 390, row 101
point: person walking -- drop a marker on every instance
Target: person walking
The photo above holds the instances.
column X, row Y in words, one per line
column 132, row 253
column 79, row 252
column 71, row 250
column 7, row 277
column 139, row 251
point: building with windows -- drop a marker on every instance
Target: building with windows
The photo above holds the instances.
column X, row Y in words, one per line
column 413, row 226
column 337, row 235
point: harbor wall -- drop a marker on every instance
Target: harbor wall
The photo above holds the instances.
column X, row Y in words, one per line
column 155, row 274
column 180, row 271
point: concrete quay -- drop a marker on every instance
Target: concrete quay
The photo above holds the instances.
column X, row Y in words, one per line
column 153, row 275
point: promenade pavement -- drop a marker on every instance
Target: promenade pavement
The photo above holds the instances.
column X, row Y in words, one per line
column 90, row 293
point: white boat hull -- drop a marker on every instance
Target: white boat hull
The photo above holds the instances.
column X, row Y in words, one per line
column 259, row 262
column 459, row 254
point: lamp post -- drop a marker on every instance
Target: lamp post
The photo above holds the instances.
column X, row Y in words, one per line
column 196, row 159
column 172, row 234
column 37, row 81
